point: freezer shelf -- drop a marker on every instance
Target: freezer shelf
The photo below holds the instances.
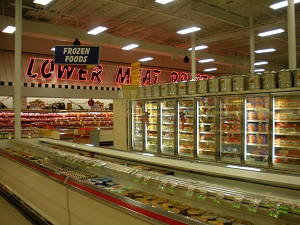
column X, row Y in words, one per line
column 168, row 118
column 186, row 127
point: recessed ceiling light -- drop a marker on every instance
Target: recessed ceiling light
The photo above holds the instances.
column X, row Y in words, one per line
column 128, row 47
column 9, row 29
column 163, row 1
column 200, row 47
column 210, row 69
column 145, row 59
column 265, row 50
column 42, row 2
column 206, row 60
column 53, row 49
column 282, row 4
column 260, row 63
column 188, row 30
column 271, row 32
column 259, row 70
column 97, row 30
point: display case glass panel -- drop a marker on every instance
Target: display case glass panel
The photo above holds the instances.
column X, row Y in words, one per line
column 286, row 133
column 206, row 128
column 151, row 120
column 186, row 127
column 168, row 126
column 137, row 125
column 230, row 128
column 257, row 117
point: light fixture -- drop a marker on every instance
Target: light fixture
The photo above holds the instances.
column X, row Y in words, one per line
column 131, row 46
column 145, row 59
column 210, row 69
column 97, row 30
column 200, row 47
column 9, row 29
column 259, row 70
column 243, row 168
column 265, row 50
column 42, row 2
column 271, row 32
column 206, row 60
column 188, row 30
column 53, row 49
column 163, row 1
column 260, row 63
column 282, row 4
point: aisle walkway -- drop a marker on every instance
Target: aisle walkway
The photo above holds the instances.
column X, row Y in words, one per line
column 9, row 215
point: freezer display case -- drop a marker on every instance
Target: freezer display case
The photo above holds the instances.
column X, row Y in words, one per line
column 286, row 135
column 168, row 126
column 206, row 128
column 257, row 116
column 230, row 120
column 137, row 125
column 151, row 128
column 186, row 127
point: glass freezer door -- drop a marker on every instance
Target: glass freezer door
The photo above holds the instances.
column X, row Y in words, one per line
column 230, row 128
column 168, row 121
column 137, row 125
column 186, row 127
column 286, row 134
column 257, row 129
column 151, row 122
column 206, row 128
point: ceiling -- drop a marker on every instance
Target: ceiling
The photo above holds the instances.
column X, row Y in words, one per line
column 224, row 24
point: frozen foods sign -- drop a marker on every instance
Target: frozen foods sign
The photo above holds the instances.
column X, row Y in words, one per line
column 76, row 55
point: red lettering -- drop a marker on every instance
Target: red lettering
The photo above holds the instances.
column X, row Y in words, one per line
column 50, row 64
column 184, row 77
column 96, row 72
column 156, row 74
column 82, row 72
column 174, row 77
column 147, row 78
column 122, row 78
column 30, row 67
column 62, row 70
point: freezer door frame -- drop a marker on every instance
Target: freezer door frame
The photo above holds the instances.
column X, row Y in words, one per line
column 130, row 125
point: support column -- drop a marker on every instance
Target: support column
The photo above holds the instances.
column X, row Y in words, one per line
column 252, row 51
column 17, row 76
column 193, row 63
column 291, row 35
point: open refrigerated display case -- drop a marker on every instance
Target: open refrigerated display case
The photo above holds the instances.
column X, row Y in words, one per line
column 168, row 126
column 206, row 128
column 152, row 128
column 186, row 137
column 137, row 125
column 118, row 187
column 257, row 121
column 286, row 135
column 230, row 122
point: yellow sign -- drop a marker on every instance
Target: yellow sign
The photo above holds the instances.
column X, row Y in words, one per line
column 135, row 73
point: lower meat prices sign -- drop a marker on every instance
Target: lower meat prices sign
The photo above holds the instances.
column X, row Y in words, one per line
column 76, row 55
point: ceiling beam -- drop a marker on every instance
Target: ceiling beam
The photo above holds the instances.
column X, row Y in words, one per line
column 220, row 14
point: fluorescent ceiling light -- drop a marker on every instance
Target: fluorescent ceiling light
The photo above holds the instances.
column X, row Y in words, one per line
column 206, row 60
column 163, row 1
column 128, row 47
column 282, row 4
column 9, row 29
column 199, row 47
column 145, row 59
column 243, row 168
column 271, row 32
column 53, row 49
column 259, row 70
column 210, row 69
column 188, row 30
column 97, row 30
column 265, row 50
column 260, row 63
column 42, row 2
